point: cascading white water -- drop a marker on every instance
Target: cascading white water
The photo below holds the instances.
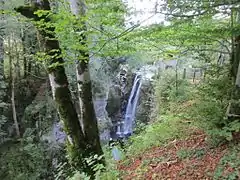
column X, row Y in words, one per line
column 124, row 127
column 128, row 122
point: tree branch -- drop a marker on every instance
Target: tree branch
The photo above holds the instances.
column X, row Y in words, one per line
column 209, row 8
column 211, row 50
column 128, row 30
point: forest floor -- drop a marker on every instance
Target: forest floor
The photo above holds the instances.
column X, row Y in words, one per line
column 188, row 159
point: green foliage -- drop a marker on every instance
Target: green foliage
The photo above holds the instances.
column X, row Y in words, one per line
column 41, row 113
column 3, row 121
column 69, row 173
column 190, row 153
column 169, row 89
column 213, row 96
column 107, row 37
column 210, row 99
column 157, row 134
column 111, row 172
column 228, row 167
column 4, row 108
column 25, row 160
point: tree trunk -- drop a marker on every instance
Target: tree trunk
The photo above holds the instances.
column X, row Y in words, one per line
column 17, row 62
column 89, row 120
column 25, row 72
column 194, row 75
column 14, row 107
column 29, row 67
column 184, row 73
column 25, row 67
column 233, row 60
column 237, row 54
column 76, row 143
column 233, row 110
column 10, row 62
column 12, row 84
column 237, row 82
column 1, row 58
column 176, row 76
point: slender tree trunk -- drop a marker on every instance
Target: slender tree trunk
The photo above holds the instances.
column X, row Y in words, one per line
column 184, row 73
column 176, row 76
column 17, row 58
column 194, row 75
column 25, row 73
column 25, row 68
column 12, row 86
column 89, row 120
column 1, row 58
column 29, row 67
column 76, row 144
column 234, row 61
column 10, row 61
column 14, row 107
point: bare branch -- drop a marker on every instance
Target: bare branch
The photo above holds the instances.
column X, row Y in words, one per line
column 125, row 32
column 197, row 13
column 182, row 15
column 211, row 50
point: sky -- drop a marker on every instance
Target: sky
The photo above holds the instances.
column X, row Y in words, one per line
column 144, row 12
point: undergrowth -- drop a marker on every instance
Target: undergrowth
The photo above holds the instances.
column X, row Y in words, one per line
column 165, row 129
column 203, row 104
column 210, row 106
column 228, row 167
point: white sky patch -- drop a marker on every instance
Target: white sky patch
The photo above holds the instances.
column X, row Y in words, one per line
column 144, row 11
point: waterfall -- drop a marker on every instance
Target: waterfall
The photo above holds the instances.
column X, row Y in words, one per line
column 126, row 127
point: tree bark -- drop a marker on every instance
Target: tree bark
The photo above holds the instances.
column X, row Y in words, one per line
column 10, row 62
column 14, row 107
column 76, row 142
column 17, row 60
column 233, row 110
column 89, row 120
column 1, row 57
column 237, row 54
column 237, row 82
column 184, row 73
column 25, row 67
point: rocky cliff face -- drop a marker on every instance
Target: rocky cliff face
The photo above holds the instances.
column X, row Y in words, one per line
column 115, row 103
column 145, row 102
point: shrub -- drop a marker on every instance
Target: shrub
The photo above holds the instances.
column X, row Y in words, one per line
column 25, row 160
column 213, row 96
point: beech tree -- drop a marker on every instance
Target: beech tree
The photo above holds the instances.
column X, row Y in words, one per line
column 81, row 143
column 88, row 117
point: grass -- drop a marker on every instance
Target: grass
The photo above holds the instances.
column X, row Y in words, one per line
column 167, row 128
